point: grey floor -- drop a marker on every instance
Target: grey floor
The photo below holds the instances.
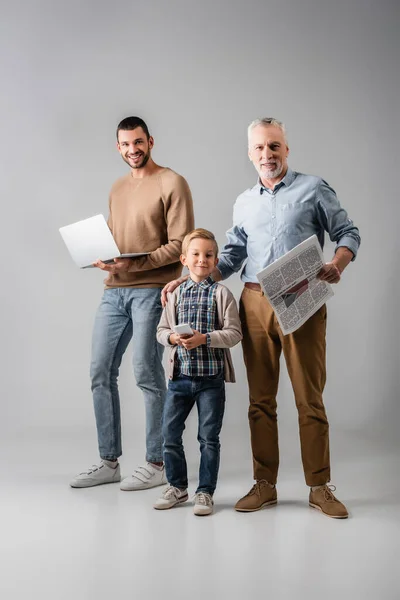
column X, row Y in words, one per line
column 58, row 542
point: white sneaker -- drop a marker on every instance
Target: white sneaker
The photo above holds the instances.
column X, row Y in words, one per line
column 203, row 504
column 97, row 475
column 143, row 478
column 171, row 497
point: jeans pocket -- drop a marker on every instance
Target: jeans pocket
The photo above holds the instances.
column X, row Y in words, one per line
column 216, row 377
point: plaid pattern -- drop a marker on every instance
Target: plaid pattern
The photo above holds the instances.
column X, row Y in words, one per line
column 197, row 306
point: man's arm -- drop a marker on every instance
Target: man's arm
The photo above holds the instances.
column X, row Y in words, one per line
column 120, row 265
column 179, row 219
column 231, row 259
column 341, row 229
column 233, row 254
column 172, row 285
column 216, row 275
column 332, row 271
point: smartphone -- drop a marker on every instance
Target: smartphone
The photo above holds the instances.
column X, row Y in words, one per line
column 183, row 329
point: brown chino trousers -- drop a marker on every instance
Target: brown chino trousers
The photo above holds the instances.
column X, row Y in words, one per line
column 304, row 352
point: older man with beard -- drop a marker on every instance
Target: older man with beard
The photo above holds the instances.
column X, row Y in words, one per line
column 283, row 209
column 151, row 211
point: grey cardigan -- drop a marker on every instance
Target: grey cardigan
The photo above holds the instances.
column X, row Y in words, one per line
column 228, row 336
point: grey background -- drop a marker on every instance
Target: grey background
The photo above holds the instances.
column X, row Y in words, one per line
column 198, row 73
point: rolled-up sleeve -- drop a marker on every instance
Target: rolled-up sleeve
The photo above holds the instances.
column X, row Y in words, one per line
column 335, row 220
column 234, row 253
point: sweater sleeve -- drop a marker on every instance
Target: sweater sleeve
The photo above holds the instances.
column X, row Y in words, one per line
column 164, row 328
column 231, row 332
column 110, row 219
column 178, row 212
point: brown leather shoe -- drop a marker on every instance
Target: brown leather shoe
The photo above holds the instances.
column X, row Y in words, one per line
column 324, row 500
column 260, row 495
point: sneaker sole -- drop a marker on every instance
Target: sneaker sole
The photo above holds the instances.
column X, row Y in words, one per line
column 203, row 514
column 180, row 501
column 85, row 485
column 138, row 489
column 326, row 514
column 265, row 505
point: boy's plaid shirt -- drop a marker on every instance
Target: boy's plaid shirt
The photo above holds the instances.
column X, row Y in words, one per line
column 197, row 306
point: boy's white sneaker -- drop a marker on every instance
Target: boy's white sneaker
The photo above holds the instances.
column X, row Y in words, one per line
column 97, row 475
column 171, row 497
column 203, row 504
column 143, row 478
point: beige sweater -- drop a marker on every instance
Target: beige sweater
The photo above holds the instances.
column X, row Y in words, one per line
column 153, row 215
column 228, row 336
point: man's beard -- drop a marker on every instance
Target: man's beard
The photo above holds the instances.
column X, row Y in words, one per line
column 272, row 174
column 145, row 159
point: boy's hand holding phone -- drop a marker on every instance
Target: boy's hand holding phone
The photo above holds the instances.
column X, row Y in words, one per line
column 180, row 332
column 175, row 339
column 187, row 337
column 193, row 341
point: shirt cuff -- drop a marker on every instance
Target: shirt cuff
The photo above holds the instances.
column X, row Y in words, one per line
column 348, row 242
column 208, row 340
column 225, row 270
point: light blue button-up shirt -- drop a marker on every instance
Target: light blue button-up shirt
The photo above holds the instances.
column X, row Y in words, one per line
column 269, row 223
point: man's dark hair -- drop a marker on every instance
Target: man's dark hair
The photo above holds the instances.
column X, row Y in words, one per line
column 131, row 123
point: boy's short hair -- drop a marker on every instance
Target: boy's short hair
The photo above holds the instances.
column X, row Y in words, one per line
column 198, row 233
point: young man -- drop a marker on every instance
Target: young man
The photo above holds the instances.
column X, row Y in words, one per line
column 199, row 365
column 151, row 210
column 283, row 209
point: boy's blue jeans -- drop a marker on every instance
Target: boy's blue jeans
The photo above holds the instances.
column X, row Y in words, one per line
column 123, row 313
column 208, row 393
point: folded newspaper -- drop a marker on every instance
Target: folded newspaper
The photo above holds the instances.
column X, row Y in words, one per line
column 291, row 285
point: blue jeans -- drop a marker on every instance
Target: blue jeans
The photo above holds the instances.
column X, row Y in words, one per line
column 209, row 395
column 123, row 313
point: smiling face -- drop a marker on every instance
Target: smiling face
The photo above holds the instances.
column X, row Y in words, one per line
column 268, row 151
column 200, row 258
column 134, row 147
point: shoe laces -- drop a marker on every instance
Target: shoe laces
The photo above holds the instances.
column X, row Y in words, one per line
column 171, row 492
column 203, row 498
column 256, row 489
column 327, row 491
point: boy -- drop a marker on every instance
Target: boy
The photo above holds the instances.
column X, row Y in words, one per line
column 199, row 365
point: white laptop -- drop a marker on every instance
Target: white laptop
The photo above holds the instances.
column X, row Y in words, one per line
column 91, row 239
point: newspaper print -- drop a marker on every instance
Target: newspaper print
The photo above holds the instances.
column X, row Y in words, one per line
column 291, row 285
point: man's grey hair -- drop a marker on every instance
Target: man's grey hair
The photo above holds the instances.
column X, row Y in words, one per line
column 267, row 121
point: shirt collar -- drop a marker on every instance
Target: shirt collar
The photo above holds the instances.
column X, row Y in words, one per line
column 205, row 283
column 286, row 180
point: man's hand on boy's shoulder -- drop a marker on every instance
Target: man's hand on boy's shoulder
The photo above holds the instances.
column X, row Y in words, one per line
column 169, row 288
column 172, row 285
column 193, row 341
